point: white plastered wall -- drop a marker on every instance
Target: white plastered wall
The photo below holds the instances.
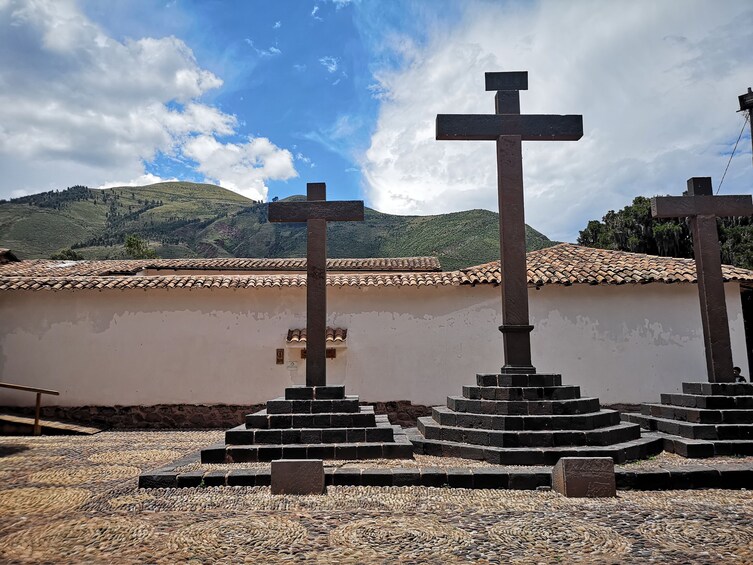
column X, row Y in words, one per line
column 623, row 344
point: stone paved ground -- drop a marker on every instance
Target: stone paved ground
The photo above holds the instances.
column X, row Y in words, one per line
column 74, row 500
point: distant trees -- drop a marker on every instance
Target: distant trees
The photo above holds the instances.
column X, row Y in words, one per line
column 633, row 229
column 67, row 255
column 137, row 248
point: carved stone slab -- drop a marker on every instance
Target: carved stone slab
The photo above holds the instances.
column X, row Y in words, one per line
column 584, row 477
column 298, row 476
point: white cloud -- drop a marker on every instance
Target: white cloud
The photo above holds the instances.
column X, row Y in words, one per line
column 657, row 84
column 242, row 167
column 330, row 63
column 314, row 13
column 277, row 25
column 141, row 180
column 79, row 107
column 263, row 52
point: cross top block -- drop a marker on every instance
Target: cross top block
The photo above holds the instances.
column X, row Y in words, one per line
column 699, row 186
column 511, row 80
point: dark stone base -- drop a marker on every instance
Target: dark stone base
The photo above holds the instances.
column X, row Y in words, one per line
column 706, row 420
column 312, row 423
column 528, row 419
column 181, row 416
column 526, row 478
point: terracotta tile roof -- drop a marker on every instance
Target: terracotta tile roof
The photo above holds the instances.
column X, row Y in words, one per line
column 334, row 335
column 564, row 264
column 56, row 268
column 568, row 264
column 224, row 281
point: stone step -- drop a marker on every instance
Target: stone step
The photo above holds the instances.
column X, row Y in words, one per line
column 283, row 406
column 618, row 433
column 639, row 448
column 716, row 402
column 600, row 419
column 340, row 451
column 522, row 407
column 694, row 431
column 697, row 415
column 518, row 380
column 264, row 421
column 328, row 392
column 695, row 448
column 243, row 436
column 723, row 389
column 521, row 393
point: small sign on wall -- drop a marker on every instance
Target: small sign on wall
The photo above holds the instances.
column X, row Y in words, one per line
column 280, row 357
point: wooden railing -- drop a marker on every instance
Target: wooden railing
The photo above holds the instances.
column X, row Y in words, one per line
column 40, row 392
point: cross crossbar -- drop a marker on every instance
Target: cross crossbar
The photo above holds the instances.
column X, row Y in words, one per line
column 489, row 127
column 331, row 211
column 690, row 206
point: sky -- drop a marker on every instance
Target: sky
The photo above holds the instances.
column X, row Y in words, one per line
column 263, row 97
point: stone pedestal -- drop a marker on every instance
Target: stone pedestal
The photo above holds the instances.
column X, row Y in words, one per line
column 312, row 423
column 705, row 420
column 584, row 477
column 528, row 419
column 298, row 476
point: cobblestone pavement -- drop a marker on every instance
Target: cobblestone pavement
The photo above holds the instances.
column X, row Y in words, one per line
column 74, row 500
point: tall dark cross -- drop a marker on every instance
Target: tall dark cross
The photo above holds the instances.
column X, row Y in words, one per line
column 508, row 128
column 316, row 212
column 703, row 208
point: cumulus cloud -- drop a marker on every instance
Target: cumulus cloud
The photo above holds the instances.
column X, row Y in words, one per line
column 141, row 180
column 79, row 107
column 242, row 167
column 657, row 84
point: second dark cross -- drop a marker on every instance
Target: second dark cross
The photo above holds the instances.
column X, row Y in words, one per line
column 316, row 212
column 508, row 128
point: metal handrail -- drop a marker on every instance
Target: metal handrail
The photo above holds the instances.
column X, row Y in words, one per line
column 40, row 392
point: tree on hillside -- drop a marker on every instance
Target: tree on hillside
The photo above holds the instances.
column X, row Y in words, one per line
column 67, row 255
column 633, row 229
column 137, row 248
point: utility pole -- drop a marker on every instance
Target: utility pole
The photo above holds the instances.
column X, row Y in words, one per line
column 746, row 105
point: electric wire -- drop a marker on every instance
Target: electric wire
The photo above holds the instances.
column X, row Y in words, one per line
column 745, row 123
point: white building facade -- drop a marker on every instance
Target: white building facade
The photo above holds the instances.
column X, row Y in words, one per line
column 148, row 341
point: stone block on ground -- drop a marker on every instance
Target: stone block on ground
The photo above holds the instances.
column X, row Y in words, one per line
column 584, row 477
column 298, row 476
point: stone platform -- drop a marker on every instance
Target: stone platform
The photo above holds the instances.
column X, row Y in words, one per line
column 312, row 423
column 528, row 419
column 706, row 420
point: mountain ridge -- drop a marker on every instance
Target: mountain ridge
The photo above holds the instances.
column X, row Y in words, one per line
column 182, row 219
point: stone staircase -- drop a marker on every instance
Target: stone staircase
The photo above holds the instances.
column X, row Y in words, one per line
column 312, row 423
column 528, row 419
column 706, row 420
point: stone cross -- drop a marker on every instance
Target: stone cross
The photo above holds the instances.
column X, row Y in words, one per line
column 508, row 128
column 703, row 208
column 316, row 212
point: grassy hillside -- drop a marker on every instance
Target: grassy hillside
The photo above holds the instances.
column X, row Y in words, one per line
column 203, row 220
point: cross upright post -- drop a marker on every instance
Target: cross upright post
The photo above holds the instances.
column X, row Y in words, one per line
column 316, row 212
column 703, row 208
column 509, row 128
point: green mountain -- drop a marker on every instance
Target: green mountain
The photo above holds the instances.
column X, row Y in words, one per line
column 181, row 219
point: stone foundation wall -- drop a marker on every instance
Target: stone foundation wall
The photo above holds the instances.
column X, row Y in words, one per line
column 170, row 416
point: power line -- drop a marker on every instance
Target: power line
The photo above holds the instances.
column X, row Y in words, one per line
column 745, row 122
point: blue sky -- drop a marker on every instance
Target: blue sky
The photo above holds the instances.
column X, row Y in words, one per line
column 262, row 97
